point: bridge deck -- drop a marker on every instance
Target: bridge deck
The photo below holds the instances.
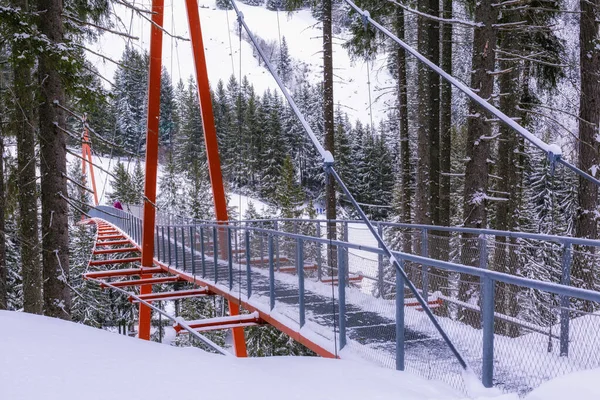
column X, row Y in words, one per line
column 370, row 323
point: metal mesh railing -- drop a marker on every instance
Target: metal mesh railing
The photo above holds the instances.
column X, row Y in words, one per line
column 534, row 331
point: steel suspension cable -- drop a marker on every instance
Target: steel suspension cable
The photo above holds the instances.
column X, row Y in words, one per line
column 553, row 152
column 328, row 162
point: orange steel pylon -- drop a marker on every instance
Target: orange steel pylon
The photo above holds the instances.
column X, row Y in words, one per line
column 212, row 152
column 86, row 158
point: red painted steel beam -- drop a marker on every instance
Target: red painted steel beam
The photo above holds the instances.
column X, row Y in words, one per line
column 350, row 279
column 293, row 270
column 113, row 243
column 294, row 334
column 221, row 323
column 109, row 236
column 149, row 218
column 115, row 261
column 145, row 281
column 118, row 250
column 212, row 148
column 180, row 294
column 123, row 272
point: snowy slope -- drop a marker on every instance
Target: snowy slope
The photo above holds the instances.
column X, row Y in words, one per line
column 103, row 181
column 53, row 359
column 302, row 33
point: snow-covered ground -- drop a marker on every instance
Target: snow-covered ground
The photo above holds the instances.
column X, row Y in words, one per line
column 302, row 33
column 52, row 359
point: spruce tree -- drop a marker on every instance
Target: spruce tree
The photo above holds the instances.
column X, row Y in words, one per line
column 121, row 185
column 284, row 62
column 131, row 85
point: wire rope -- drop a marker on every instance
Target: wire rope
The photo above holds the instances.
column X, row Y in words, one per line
column 239, row 155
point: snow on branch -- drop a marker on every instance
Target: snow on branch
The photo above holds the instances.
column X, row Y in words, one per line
column 439, row 19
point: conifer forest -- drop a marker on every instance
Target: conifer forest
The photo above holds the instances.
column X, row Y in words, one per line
column 432, row 157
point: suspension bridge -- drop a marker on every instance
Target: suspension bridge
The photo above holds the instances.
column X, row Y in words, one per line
column 356, row 297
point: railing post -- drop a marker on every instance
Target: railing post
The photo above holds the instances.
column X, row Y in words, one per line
column 248, row 265
column 342, row 295
column 425, row 268
column 300, row 270
column 215, row 253
column 271, row 274
column 488, row 331
column 175, row 244
column 565, row 279
column 483, row 252
column 319, row 253
column 157, row 245
column 400, row 318
column 229, row 257
column 193, row 247
column 345, row 239
column 183, row 248
column 380, row 264
column 277, row 245
column 169, row 243
column 162, row 238
column 262, row 245
column 202, row 254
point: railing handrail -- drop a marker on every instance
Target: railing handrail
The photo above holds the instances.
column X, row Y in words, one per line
column 555, row 288
column 459, row 229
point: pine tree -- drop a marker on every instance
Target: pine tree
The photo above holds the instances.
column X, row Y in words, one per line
column 23, row 126
column 167, row 121
column 284, row 62
column 130, row 92
column 189, row 143
column 169, row 196
column 137, row 184
column 224, row 4
column 121, row 185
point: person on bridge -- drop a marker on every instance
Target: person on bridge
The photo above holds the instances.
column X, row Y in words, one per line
column 117, row 205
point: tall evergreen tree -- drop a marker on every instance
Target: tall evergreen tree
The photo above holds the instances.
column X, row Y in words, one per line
column 130, row 92
column 284, row 63
column 589, row 122
column 53, row 168
column 23, row 118
column 167, row 121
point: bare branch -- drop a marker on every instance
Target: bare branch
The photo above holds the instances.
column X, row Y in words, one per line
column 107, row 58
column 80, row 22
column 94, row 164
column 77, row 183
column 528, row 58
column 442, row 20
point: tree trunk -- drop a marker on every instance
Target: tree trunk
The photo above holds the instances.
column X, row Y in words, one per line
column 3, row 270
column 433, row 115
column 24, row 130
column 405, row 206
column 55, row 242
column 509, row 168
column 423, row 188
column 443, row 216
column 328, row 119
column 589, row 114
column 445, row 119
column 477, row 148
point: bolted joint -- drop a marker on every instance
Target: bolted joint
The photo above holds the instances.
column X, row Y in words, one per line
column 328, row 161
column 365, row 18
column 240, row 19
column 554, row 155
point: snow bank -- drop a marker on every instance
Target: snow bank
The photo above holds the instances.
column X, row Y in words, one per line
column 52, row 359
column 582, row 385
